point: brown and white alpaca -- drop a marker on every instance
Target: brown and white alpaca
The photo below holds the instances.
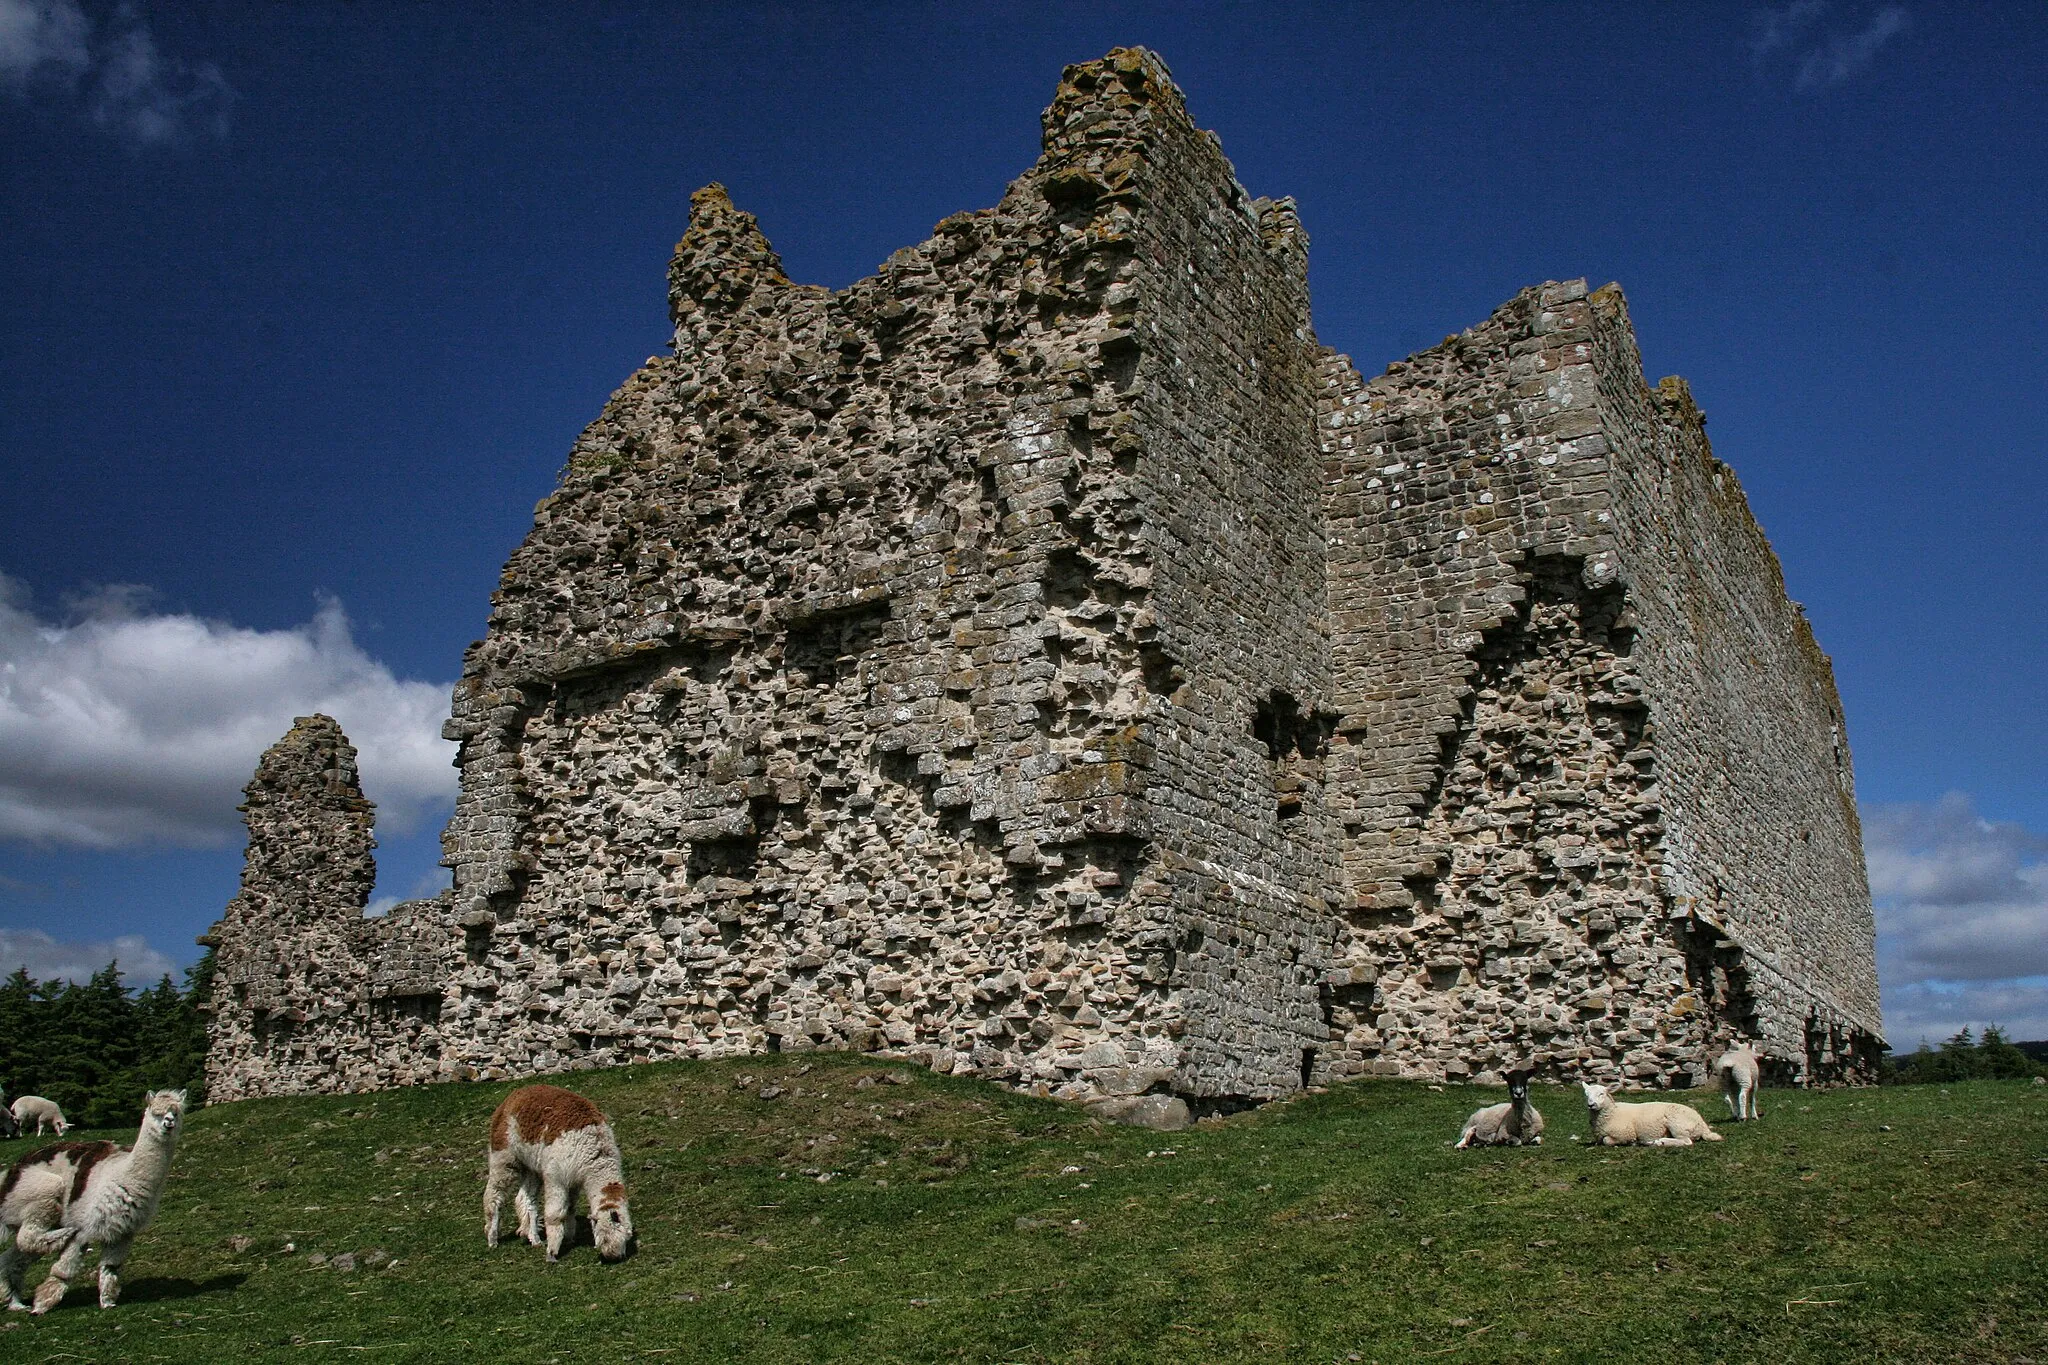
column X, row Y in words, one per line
column 552, row 1143
column 72, row 1195
column 36, row 1109
column 1741, row 1073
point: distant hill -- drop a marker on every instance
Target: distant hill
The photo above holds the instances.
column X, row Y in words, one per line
column 2038, row 1051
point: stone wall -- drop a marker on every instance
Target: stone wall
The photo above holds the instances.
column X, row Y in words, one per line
column 309, row 994
column 1613, row 847
column 1041, row 659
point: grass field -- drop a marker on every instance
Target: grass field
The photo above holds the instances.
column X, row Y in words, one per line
column 871, row 1211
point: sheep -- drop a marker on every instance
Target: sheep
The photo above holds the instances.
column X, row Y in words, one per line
column 553, row 1142
column 1506, row 1125
column 1654, row 1124
column 43, row 1111
column 1741, row 1073
column 71, row 1195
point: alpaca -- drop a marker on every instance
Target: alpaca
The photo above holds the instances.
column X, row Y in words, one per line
column 552, row 1142
column 71, row 1195
column 1741, row 1073
column 27, row 1107
column 1506, row 1125
column 1655, row 1124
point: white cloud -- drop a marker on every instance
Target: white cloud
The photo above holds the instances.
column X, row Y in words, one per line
column 149, row 97
column 1778, row 28
column 1843, row 55
column 130, row 86
column 41, row 40
column 1932, row 1011
column 1962, row 919
column 123, row 728
column 428, row 886
column 46, row 957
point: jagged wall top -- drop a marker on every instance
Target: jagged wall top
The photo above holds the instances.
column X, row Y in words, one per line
column 309, row 824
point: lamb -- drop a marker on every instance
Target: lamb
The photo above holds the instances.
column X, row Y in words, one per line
column 1506, row 1125
column 1741, row 1072
column 71, row 1195
column 1655, row 1124
column 43, row 1111
column 553, row 1142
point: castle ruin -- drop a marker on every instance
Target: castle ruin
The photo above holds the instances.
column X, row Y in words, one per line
column 1044, row 660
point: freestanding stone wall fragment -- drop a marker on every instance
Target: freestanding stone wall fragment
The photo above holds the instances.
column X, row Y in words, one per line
column 309, row 995
column 1041, row 658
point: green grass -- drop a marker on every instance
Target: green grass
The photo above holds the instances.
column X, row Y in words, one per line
column 917, row 1217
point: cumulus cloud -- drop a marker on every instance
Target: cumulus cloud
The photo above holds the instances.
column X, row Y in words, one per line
column 119, row 727
column 1843, row 55
column 45, row 958
column 1962, row 919
column 121, row 79
column 428, row 886
column 42, row 41
column 1928, row 1012
column 1772, row 29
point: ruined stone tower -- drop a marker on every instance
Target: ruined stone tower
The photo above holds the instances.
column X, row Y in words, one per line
column 1043, row 659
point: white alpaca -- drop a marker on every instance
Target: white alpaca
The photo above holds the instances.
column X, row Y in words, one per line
column 42, row 1111
column 1506, row 1125
column 73, row 1195
column 553, row 1143
column 1741, row 1073
column 1655, row 1124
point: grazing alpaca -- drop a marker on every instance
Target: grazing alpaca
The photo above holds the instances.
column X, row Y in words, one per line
column 42, row 1111
column 552, row 1142
column 1654, row 1124
column 73, row 1195
column 1741, row 1073
column 1506, row 1125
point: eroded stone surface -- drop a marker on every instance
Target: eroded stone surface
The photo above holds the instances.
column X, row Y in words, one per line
column 1042, row 659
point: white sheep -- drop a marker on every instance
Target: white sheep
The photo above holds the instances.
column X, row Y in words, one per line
column 71, row 1195
column 1741, row 1073
column 1506, row 1125
column 552, row 1143
column 42, row 1111
column 1655, row 1124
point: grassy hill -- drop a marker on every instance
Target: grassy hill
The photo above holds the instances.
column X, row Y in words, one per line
column 831, row 1207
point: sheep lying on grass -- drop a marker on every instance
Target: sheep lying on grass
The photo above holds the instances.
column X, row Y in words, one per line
column 552, row 1143
column 1506, row 1125
column 1655, row 1124
column 35, row 1109
column 1741, row 1072
column 71, row 1195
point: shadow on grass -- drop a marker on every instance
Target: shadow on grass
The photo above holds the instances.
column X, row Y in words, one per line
column 164, row 1289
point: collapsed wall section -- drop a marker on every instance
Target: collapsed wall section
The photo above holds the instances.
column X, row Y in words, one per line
column 1524, row 594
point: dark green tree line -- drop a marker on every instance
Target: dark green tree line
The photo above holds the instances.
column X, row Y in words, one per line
column 1965, row 1058
column 97, row 1047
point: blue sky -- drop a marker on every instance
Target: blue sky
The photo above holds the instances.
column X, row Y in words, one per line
column 302, row 306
